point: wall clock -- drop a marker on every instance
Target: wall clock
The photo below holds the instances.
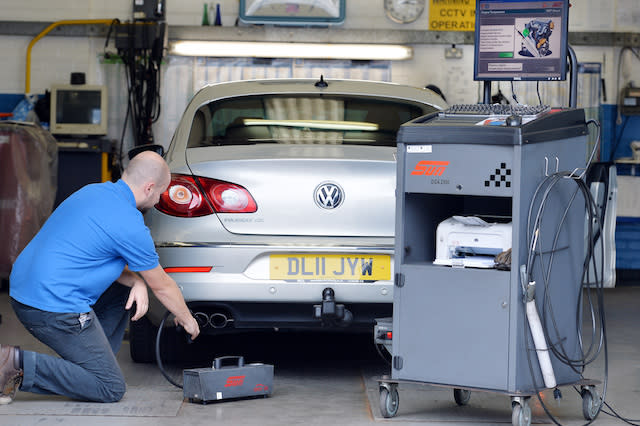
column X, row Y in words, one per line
column 289, row 12
column 404, row 11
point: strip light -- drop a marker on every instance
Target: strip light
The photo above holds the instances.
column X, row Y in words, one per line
column 239, row 49
column 314, row 124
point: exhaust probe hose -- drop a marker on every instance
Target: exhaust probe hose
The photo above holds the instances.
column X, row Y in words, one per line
column 158, row 360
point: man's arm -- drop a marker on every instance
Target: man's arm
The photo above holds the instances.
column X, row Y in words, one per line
column 138, row 293
column 129, row 278
column 168, row 293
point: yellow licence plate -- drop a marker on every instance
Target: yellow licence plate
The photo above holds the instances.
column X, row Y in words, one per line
column 367, row 267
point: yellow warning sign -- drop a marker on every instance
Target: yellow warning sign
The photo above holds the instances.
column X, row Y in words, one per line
column 452, row 15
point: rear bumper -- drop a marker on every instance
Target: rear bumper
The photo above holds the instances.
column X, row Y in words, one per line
column 238, row 286
column 284, row 316
column 240, row 273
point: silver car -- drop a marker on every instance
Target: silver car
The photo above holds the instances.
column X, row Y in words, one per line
column 280, row 212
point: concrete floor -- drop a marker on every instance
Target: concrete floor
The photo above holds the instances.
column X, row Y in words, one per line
column 326, row 379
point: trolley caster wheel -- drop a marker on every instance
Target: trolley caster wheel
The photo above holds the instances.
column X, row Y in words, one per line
column 590, row 402
column 521, row 413
column 461, row 396
column 389, row 401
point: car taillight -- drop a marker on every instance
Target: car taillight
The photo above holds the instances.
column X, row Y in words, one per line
column 228, row 197
column 185, row 197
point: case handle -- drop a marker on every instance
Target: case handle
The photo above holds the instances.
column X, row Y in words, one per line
column 239, row 361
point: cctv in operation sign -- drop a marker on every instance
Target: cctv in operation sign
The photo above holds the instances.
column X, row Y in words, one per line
column 452, row 15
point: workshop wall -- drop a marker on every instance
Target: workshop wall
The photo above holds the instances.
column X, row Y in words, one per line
column 54, row 58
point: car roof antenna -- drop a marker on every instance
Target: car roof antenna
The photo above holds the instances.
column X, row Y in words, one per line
column 321, row 82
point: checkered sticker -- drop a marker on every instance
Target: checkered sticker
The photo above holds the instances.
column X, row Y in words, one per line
column 501, row 178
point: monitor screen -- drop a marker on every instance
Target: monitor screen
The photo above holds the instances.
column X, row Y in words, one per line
column 78, row 109
column 78, row 106
column 521, row 40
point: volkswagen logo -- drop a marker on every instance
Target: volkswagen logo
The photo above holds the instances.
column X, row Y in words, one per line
column 328, row 195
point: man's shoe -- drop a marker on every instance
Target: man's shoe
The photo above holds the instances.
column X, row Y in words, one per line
column 10, row 373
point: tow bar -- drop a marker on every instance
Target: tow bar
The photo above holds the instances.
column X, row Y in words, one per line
column 330, row 312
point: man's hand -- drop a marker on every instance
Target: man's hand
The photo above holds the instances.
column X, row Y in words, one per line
column 139, row 295
column 190, row 326
column 167, row 292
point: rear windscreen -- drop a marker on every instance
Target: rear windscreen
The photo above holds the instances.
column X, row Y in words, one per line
column 302, row 120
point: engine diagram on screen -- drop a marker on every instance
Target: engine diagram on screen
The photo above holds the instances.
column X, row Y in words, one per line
column 535, row 38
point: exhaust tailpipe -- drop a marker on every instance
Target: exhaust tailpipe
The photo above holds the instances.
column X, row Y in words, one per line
column 219, row 320
column 213, row 320
column 202, row 319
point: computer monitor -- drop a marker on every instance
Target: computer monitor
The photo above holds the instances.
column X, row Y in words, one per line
column 78, row 110
column 521, row 40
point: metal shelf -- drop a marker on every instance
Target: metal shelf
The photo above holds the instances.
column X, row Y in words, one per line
column 310, row 34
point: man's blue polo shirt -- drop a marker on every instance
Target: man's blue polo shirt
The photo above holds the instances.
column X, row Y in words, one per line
column 82, row 249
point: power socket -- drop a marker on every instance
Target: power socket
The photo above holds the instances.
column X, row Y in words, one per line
column 453, row 53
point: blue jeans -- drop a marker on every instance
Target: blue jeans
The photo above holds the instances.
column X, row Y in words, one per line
column 87, row 369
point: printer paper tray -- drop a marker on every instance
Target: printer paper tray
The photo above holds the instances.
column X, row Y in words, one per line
column 485, row 262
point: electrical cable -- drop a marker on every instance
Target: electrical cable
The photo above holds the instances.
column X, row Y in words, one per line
column 592, row 237
column 596, row 145
column 535, row 253
column 385, row 358
column 535, row 240
column 547, row 308
column 576, row 364
column 613, row 413
column 107, row 55
column 513, row 94
column 142, row 58
column 158, row 360
column 538, row 92
column 550, row 181
column 124, row 131
column 111, row 26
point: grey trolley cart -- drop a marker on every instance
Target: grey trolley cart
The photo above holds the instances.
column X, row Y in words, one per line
column 466, row 327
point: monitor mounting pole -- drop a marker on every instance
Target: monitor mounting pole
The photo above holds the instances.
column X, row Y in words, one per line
column 487, row 93
column 573, row 77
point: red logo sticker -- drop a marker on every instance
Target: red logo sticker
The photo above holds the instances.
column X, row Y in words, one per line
column 234, row 381
column 260, row 388
column 430, row 168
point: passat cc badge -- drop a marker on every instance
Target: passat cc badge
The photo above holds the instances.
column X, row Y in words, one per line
column 328, row 195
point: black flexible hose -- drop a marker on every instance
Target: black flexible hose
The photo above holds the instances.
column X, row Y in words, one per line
column 158, row 360
column 532, row 225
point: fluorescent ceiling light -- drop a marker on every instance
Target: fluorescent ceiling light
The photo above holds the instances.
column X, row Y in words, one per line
column 240, row 49
column 314, row 124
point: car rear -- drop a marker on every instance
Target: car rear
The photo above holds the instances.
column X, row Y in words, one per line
column 280, row 213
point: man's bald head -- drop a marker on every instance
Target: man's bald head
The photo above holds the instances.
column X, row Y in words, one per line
column 148, row 175
column 146, row 167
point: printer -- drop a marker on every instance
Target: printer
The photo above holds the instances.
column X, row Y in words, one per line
column 470, row 241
